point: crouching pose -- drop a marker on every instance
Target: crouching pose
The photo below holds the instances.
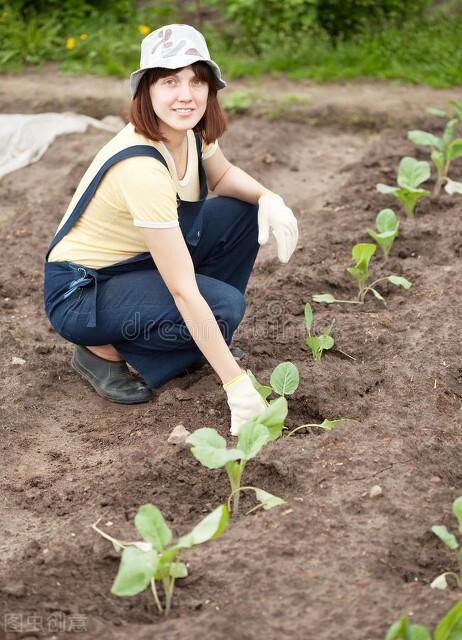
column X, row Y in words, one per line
column 145, row 270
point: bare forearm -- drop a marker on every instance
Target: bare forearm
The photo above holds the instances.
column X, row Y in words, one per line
column 205, row 332
column 239, row 184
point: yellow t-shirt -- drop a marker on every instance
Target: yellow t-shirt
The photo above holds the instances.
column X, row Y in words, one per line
column 135, row 192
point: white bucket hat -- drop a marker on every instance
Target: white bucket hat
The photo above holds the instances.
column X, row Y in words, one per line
column 173, row 47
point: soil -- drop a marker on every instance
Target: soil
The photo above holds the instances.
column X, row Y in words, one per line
column 331, row 563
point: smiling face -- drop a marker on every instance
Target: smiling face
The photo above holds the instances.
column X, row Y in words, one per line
column 179, row 100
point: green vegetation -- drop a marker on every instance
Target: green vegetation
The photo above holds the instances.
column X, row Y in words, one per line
column 387, row 226
column 393, row 39
column 320, row 343
column 209, row 447
column 450, row 541
column 444, row 150
column 450, row 628
column 362, row 254
column 411, row 174
column 284, row 381
column 155, row 560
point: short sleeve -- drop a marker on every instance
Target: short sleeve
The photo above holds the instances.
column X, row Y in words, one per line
column 147, row 191
column 209, row 149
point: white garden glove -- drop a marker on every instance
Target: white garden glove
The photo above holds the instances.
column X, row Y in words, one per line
column 244, row 401
column 273, row 214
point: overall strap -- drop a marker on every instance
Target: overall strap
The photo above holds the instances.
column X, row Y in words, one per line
column 202, row 177
column 129, row 152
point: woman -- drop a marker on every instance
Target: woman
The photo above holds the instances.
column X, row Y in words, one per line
column 143, row 269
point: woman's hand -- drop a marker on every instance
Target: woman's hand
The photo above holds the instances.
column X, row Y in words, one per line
column 244, row 401
column 273, row 214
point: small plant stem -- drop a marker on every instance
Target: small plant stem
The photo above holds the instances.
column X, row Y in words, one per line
column 235, row 494
column 440, row 180
column 302, row 426
column 156, row 595
column 107, row 536
column 169, row 584
column 371, row 286
column 409, row 211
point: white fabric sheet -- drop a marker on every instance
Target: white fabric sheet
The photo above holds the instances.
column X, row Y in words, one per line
column 24, row 138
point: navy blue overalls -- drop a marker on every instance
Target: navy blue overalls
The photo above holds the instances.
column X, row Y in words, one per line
column 128, row 305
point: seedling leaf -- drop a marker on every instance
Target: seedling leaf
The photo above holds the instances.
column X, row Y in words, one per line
column 377, row 294
column 150, row 524
column 457, row 511
column 262, row 389
column 178, row 570
column 210, row 448
column 450, row 627
column 402, row 630
column 424, row 139
column 455, row 149
column 308, row 317
column 252, row 438
column 285, row 379
column 399, row 281
column 268, row 501
column 412, row 172
column 272, row 418
column 385, row 188
column 443, row 534
column 386, row 221
column 440, row 582
column 439, row 113
column 328, row 425
column 135, row 571
column 452, row 187
column 324, row 297
column 363, row 252
column 448, row 134
column 207, row 529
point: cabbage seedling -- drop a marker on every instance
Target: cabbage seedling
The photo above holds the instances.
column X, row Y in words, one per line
column 320, row 343
column 209, row 447
column 411, row 173
column 362, row 254
column 284, row 381
column 455, row 104
column 155, row 559
column 449, row 628
column 444, row 151
column 387, row 225
column 450, row 541
column 327, row 425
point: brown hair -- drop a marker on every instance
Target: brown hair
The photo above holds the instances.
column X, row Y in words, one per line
column 211, row 126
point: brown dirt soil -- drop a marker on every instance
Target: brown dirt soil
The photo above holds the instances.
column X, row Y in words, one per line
column 333, row 562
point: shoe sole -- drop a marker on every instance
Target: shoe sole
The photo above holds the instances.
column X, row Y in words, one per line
column 88, row 377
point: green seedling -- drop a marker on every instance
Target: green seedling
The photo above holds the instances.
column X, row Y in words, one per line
column 411, row 173
column 443, row 151
column 457, row 113
column 209, row 448
column 387, row 225
column 320, row 343
column 155, row 559
column 450, row 541
column 362, row 254
column 326, row 425
column 284, row 381
column 449, row 628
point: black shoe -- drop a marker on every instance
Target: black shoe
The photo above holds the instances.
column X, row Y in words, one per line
column 111, row 380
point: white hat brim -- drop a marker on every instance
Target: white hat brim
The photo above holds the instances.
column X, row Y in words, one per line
column 176, row 62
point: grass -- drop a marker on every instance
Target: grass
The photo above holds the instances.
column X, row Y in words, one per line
column 428, row 53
